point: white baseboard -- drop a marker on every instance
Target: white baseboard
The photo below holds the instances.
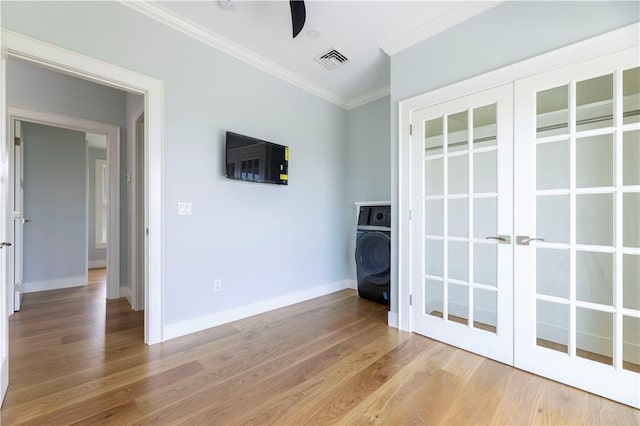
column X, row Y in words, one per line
column 193, row 325
column 352, row 284
column 126, row 292
column 392, row 319
column 100, row 263
column 58, row 283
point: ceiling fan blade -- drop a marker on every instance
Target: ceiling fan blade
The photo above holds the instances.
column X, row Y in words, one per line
column 298, row 16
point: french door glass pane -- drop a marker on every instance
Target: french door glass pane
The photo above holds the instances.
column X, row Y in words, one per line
column 458, row 303
column 434, row 261
column 434, row 177
column 591, row 323
column 458, row 217
column 458, row 176
column 631, row 281
column 485, row 172
column 631, row 158
column 594, row 277
column 631, row 339
column 552, row 272
column 552, row 111
column 458, row 132
column 485, row 263
column 594, row 161
column 552, row 325
column 484, row 126
column 631, row 93
column 552, row 218
column 434, row 217
column 594, row 103
column 433, row 136
column 485, row 217
column 594, row 219
column 458, row 260
column 485, row 309
column 433, row 298
column 552, row 165
column 630, row 222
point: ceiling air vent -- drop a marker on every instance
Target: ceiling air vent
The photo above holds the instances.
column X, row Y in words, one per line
column 331, row 59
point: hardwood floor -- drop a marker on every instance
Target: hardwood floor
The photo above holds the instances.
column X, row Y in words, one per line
column 330, row 360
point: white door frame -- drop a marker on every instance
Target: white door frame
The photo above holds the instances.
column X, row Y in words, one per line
column 87, row 68
column 113, row 160
column 613, row 41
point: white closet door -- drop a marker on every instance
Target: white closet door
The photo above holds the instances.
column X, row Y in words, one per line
column 461, row 265
column 577, row 193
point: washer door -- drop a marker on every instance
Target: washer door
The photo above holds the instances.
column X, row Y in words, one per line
column 373, row 257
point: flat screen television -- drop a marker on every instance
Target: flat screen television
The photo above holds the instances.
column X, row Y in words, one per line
column 255, row 160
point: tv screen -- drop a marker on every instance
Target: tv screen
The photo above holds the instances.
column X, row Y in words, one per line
column 256, row 160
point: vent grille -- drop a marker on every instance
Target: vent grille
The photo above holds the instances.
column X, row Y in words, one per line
column 331, row 59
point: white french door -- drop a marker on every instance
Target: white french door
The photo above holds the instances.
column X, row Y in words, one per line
column 525, row 229
column 461, row 173
column 577, row 180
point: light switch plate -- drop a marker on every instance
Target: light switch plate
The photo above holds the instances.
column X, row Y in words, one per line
column 184, row 209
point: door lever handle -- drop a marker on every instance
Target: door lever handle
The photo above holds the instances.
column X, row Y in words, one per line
column 524, row 240
column 5, row 244
column 502, row 239
column 25, row 221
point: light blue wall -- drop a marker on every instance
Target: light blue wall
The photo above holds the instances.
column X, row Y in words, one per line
column 508, row 33
column 368, row 164
column 263, row 241
column 31, row 86
column 55, row 239
column 95, row 254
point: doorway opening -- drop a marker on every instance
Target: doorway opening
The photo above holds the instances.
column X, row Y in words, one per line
column 18, row 118
column 100, row 72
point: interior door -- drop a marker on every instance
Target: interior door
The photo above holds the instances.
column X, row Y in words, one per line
column 577, row 216
column 4, row 167
column 461, row 227
column 18, row 217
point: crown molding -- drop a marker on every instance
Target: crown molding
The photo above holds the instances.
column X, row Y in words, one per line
column 368, row 97
column 462, row 12
column 163, row 16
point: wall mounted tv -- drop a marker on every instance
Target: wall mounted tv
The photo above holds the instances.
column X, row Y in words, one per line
column 256, row 160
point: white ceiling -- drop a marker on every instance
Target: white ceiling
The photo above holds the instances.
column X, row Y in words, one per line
column 260, row 33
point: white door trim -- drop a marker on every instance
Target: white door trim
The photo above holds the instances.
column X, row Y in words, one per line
column 613, row 41
column 101, row 72
column 113, row 159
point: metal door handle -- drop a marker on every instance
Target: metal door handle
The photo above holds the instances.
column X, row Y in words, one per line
column 524, row 240
column 5, row 244
column 26, row 221
column 502, row 239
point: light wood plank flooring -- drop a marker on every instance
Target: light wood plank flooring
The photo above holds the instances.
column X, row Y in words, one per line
column 330, row 360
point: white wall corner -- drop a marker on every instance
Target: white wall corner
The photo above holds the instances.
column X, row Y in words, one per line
column 55, row 284
column 392, row 319
column 193, row 325
column 126, row 292
column 352, row 284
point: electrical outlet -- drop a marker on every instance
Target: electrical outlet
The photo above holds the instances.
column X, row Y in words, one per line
column 217, row 285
